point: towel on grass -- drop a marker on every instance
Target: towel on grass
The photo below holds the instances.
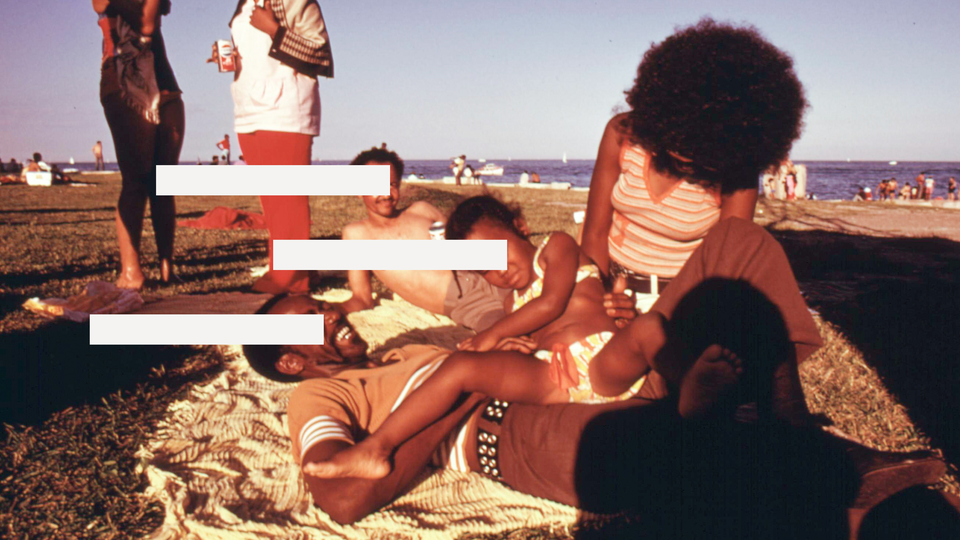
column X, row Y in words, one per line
column 97, row 297
column 221, row 463
column 223, row 217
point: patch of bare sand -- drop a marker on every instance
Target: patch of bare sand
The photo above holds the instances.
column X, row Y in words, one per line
column 862, row 218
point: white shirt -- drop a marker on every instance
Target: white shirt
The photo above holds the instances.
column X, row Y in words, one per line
column 269, row 95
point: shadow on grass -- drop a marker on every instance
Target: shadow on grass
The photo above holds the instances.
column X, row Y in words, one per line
column 55, row 367
column 902, row 313
column 70, row 272
column 55, row 210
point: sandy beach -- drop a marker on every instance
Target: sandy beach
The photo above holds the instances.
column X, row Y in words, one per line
column 882, row 278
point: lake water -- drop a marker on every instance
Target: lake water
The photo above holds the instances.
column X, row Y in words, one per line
column 825, row 179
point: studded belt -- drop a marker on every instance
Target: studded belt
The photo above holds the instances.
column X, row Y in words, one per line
column 488, row 442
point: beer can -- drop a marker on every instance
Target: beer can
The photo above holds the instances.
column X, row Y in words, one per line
column 225, row 60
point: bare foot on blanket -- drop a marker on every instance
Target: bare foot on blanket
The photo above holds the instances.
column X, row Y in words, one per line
column 709, row 381
column 130, row 279
column 365, row 460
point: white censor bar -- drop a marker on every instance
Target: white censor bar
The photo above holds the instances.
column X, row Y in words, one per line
column 390, row 254
column 206, row 329
column 333, row 180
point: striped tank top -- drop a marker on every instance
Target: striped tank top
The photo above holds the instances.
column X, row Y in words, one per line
column 656, row 235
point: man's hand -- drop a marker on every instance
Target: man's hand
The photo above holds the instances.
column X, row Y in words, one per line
column 262, row 19
column 100, row 6
column 482, row 342
column 620, row 305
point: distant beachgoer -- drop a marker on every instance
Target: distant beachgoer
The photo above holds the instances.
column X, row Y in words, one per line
column 928, row 186
column 41, row 165
column 142, row 104
column 224, row 147
column 13, row 167
column 905, row 191
column 535, row 177
column 468, row 174
column 465, row 297
column 919, row 187
column 882, row 190
column 282, row 48
column 525, row 177
column 240, row 161
column 791, row 183
column 457, row 166
column 666, row 174
column 214, row 160
column 98, row 155
column 952, row 189
column 892, row 188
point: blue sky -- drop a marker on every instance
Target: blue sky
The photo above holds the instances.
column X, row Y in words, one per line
column 503, row 78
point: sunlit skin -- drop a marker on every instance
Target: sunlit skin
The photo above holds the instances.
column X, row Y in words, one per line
column 580, row 313
column 423, row 288
column 565, row 312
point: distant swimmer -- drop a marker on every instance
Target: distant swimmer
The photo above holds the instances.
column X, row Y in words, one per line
column 952, row 189
column 98, row 155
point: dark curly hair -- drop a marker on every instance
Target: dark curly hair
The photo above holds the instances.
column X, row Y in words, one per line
column 382, row 155
column 721, row 96
column 474, row 209
column 263, row 358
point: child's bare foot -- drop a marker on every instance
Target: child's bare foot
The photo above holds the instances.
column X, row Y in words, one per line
column 130, row 279
column 708, row 381
column 360, row 461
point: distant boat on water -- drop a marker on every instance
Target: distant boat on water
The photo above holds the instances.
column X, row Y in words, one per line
column 482, row 160
column 72, row 162
column 564, row 157
column 893, row 163
column 491, row 169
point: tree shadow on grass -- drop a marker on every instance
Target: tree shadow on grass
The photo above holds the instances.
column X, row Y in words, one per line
column 902, row 313
column 55, row 367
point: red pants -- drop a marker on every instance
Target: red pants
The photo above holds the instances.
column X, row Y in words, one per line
column 288, row 217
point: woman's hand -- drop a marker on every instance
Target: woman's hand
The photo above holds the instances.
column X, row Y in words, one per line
column 262, row 19
column 482, row 342
column 100, row 6
column 620, row 305
column 214, row 57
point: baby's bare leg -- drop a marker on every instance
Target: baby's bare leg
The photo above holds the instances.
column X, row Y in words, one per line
column 506, row 375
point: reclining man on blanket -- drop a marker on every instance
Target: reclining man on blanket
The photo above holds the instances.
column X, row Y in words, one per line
column 465, row 297
column 756, row 465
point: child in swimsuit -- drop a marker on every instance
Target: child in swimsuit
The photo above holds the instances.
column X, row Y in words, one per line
column 538, row 354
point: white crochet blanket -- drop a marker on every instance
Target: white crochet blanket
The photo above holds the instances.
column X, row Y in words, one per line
column 221, row 463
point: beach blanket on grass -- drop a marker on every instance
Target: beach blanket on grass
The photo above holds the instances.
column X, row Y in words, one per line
column 223, row 217
column 222, row 467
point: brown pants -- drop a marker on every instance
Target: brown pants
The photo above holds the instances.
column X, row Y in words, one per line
column 687, row 479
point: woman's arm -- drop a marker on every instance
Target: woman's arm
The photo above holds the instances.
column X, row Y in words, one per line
column 307, row 49
column 741, row 203
column 596, row 225
column 100, row 6
column 148, row 20
column 561, row 257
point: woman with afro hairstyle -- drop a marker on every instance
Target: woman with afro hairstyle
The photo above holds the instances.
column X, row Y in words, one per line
column 712, row 106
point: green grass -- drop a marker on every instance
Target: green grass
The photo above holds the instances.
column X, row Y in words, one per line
column 887, row 374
